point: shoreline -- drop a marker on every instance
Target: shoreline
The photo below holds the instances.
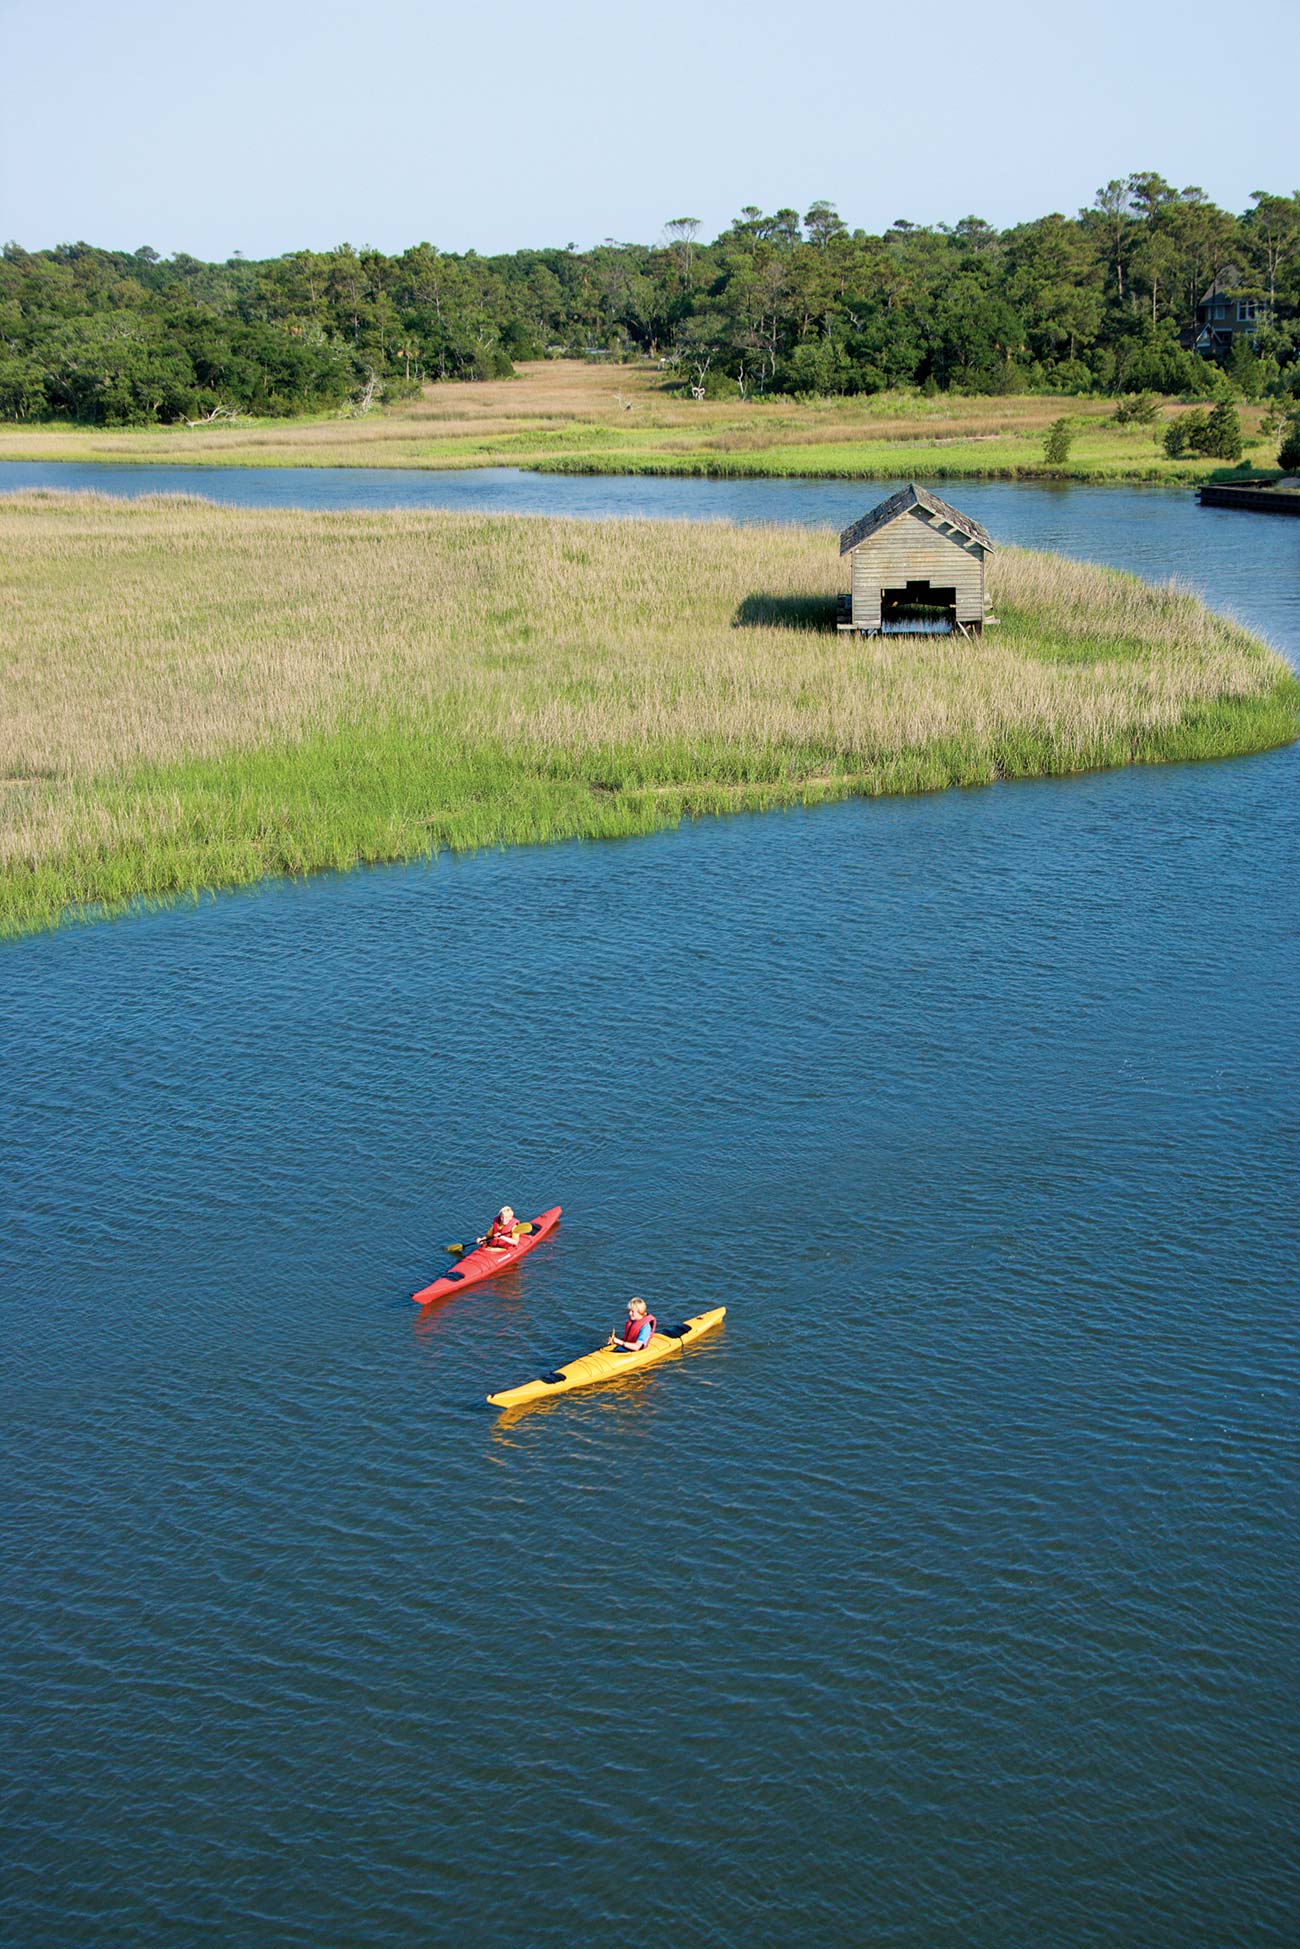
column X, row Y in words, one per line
column 906, row 464
column 680, row 807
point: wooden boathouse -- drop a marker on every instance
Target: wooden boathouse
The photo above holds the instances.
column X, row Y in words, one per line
column 916, row 561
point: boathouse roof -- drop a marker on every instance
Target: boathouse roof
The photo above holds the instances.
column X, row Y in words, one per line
column 903, row 502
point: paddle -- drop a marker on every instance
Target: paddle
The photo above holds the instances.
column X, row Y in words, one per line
column 521, row 1231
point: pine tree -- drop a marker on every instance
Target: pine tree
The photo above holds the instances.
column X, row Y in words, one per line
column 1288, row 453
column 1056, row 447
column 1222, row 437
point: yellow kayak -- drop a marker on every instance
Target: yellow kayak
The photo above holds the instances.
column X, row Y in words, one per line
column 607, row 1364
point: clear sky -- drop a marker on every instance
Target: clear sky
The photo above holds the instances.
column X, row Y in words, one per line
column 267, row 125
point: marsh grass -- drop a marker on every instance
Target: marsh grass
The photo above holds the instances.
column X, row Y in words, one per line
column 566, row 416
column 198, row 696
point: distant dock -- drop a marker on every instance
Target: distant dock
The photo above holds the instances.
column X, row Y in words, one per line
column 1263, row 500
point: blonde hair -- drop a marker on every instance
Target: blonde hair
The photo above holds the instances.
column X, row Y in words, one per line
column 637, row 1302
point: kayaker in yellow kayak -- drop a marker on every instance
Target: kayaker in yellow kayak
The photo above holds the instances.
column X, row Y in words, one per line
column 501, row 1232
column 639, row 1330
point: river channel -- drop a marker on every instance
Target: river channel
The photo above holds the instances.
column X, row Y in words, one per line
column 945, row 1596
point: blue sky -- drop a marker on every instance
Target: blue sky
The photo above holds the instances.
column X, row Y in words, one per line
column 265, row 125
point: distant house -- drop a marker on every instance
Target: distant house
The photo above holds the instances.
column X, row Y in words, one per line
column 914, row 561
column 1228, row 309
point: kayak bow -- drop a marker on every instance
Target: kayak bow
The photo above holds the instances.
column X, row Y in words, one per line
column 483, row 1263
column 606, row 1364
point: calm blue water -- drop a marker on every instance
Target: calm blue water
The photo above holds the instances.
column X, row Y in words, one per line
column 946, row 1596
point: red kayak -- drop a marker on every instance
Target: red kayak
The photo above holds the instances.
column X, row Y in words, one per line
column 483, row 1264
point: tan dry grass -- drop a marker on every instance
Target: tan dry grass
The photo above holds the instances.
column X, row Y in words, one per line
column 169, row 629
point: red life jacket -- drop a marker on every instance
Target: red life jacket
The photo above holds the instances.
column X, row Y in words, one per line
column 499, row 1234
column 633, row 1327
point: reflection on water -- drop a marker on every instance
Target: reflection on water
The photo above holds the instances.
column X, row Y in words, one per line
column 629, row 1395
column 438, row 1315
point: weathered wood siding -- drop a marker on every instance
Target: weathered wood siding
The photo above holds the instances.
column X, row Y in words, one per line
column 914, row 549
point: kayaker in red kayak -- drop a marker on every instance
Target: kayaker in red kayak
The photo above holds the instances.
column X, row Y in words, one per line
column 501, row 1232
column 511, row 1241
column 639, row 1330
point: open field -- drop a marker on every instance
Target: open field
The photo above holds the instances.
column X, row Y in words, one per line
column 198, row 696
column 570, row 417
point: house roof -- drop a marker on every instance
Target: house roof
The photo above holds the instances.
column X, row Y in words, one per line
column 1228, row 279
column 903, row 502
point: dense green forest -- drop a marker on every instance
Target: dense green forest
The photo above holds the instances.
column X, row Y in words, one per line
column 776, row 304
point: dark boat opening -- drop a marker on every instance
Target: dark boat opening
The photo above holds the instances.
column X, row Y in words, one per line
column 918, row 609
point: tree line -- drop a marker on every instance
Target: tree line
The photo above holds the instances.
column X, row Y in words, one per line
column 777, row 304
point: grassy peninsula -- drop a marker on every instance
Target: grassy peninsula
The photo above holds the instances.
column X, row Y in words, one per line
column 199, row 696
column 567, row 416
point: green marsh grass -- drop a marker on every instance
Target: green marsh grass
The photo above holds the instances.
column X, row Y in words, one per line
column 198, row 696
